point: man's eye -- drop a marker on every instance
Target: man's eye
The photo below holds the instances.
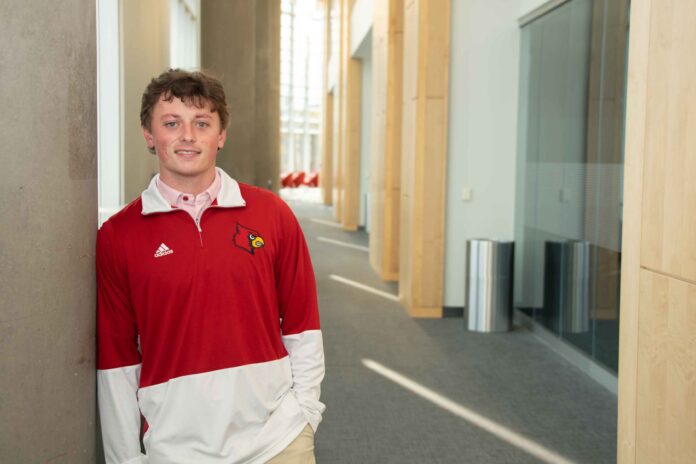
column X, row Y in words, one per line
column 170, row 124
column 202, row 124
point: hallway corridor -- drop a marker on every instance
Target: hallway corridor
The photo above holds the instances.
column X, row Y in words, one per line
column 512, row 399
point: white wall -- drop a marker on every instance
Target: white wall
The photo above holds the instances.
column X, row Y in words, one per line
column 185, row 34
column 109, row 109
column 360, row 23
column 482, row 142
column 526, row 6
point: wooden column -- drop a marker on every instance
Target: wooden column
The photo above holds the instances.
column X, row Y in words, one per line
column 326, row 179
column 657, row 352
column 424, row 155
column 339, row 10
column 387, row 66
column 348, row 204
column 326, row 174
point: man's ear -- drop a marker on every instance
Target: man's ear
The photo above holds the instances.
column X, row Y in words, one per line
column 149, row 140
column 221, row 138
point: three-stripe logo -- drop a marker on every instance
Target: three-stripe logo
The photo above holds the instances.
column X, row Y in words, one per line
column 163, row 250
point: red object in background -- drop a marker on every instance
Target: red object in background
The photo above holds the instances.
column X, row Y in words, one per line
column 285, row 179
column 312, row 179
column 296, row 178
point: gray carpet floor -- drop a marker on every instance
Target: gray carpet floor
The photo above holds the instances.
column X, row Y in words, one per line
column 512, row 378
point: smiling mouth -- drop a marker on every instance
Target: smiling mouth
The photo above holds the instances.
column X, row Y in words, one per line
column 187, row 152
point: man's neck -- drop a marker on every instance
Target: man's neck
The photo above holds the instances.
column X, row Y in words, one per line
column 188, row 184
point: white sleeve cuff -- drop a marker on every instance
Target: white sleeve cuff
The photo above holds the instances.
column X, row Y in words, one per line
column 306, row 352
column 119, row 414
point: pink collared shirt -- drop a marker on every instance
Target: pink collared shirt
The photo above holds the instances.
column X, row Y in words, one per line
column 192, row 204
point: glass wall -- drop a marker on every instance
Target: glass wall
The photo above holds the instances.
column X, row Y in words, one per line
column 570, row 173
column 301, row 64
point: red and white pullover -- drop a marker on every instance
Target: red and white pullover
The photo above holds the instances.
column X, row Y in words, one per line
column 209, row 330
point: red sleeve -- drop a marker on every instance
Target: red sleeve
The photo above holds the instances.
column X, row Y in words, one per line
column 295, row 284
column 117, row 333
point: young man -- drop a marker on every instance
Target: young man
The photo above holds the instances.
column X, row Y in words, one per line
column 208, row 324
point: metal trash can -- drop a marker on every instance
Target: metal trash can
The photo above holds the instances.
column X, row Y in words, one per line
column 567, row 285
column 489, row 285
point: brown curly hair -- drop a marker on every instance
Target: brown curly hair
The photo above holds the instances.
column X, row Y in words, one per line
column 194, row 87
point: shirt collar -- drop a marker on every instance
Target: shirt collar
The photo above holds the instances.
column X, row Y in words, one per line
column 175, row 197
column 228, row 196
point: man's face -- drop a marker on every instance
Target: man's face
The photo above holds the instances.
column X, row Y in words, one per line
column 186, row 140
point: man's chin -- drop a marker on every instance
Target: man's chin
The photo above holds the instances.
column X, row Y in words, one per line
column 188, row 172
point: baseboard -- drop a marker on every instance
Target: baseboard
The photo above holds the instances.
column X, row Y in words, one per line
column 425, row 312
column 453, row 311
column 596, row 371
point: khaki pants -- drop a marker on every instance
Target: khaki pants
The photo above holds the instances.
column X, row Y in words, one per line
column 300, row 451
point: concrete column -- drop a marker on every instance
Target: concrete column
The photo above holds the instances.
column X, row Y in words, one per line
column 266, row 149
column 48, row 186
column 240, row 43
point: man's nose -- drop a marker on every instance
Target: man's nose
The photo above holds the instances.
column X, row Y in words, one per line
column 187, row 133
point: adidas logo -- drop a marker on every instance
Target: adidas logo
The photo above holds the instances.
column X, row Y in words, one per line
column 163, row 250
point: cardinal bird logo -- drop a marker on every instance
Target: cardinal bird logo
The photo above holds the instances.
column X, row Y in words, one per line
column 247, row 239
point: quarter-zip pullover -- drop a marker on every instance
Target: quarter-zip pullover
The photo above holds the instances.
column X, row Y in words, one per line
column 209, row 329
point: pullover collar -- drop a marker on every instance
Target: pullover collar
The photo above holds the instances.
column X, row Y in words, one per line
column 229, row 195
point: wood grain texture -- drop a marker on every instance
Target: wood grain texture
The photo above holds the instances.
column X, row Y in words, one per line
column 385, row 188
column 657, row 346
column 668, row 242
column 350, row 212
column 424, row 156
column 666, row 383
column 632, row 216
column 346, row 123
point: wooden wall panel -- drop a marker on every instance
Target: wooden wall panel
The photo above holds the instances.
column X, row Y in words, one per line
column 636, row 103
column 666, row 397
column 407, row 205
column 408, row 152
column 424, row 155
column 394, row 127
column 670, row 144
column 380, row 73
column 657, row 345
column 385, row 188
